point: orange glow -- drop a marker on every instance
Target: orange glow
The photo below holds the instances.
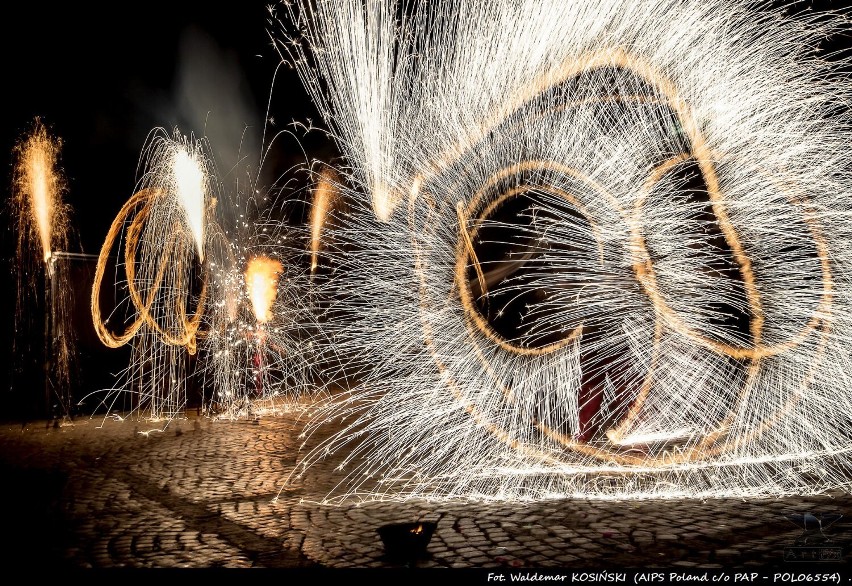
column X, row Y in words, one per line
column 40, row 183
column 262, row 285
column 325, row 196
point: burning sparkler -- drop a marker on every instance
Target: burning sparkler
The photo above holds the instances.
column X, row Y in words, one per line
column 42, row 220
column 587, row 292
column 39, row 187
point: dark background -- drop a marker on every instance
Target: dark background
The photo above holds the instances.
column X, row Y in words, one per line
column 102, row 77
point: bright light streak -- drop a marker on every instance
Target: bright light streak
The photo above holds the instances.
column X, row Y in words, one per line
column 40, row 182
column 325, row 196
column 262, row 285
column 190, row 180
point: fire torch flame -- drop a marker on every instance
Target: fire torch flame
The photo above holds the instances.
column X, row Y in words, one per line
column 262, row 285
column 325, row 196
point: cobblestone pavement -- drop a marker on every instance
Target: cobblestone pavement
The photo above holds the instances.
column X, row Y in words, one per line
column 201, row 494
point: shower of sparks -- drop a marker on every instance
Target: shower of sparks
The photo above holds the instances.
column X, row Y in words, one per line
column 262, row 345
column 563, row 271
column 262, row 285
column 161, row 229
column 38, row 180
column 190, row 180
column 42, row 232
column 213, row 293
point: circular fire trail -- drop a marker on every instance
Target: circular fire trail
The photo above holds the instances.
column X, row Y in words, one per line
column 206, row 301
column 162, row 228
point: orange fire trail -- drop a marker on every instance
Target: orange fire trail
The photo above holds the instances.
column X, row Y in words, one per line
column 325, row 196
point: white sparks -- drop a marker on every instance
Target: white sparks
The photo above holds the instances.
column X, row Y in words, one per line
column 624, row 263
column 190, row 180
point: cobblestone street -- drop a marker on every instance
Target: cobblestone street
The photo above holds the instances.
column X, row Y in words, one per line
column 202, row 495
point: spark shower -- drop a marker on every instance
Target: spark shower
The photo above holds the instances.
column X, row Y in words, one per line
column 591, row 248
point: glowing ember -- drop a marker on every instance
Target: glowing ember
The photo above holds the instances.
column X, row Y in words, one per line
column 262, row 285
column 189, row 179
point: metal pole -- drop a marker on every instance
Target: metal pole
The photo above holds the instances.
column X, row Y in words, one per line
column 54, row 320
column 48, row 312
column 74, row 255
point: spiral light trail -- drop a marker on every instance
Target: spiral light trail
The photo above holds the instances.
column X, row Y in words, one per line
column 162, row 230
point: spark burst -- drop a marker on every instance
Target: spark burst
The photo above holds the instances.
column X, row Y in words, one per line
column 261, row 287
column 595, row 249
column 207, row 302
column 43, row 224
column 163, row 230
column 261, row 284
column 40, row 186
column 263, row 344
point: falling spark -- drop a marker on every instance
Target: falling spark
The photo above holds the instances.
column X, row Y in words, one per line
column 262, row 285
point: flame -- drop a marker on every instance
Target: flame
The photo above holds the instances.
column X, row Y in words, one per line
column 40, row 182
column 262, row 285
column 189, row 180
column 325, row 195
column 384, row 202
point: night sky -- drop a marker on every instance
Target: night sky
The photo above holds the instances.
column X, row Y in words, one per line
column 102, row 80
